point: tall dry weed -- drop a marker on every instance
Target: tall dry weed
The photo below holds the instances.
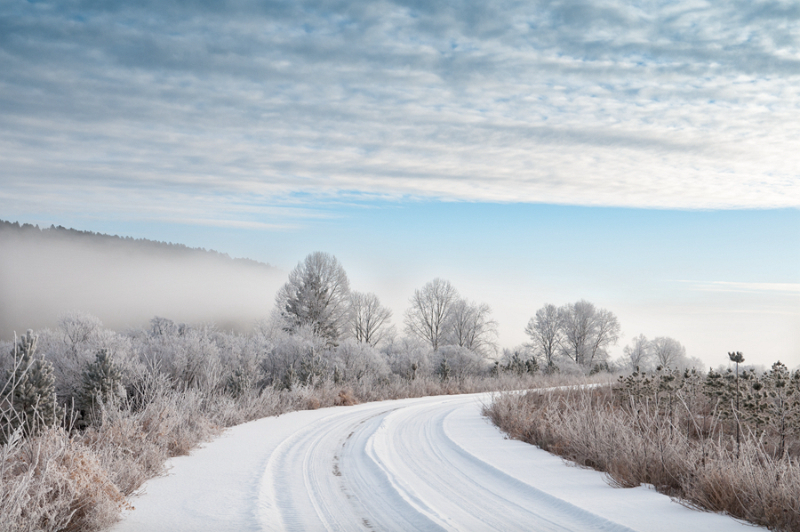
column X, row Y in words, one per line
column 646, row 446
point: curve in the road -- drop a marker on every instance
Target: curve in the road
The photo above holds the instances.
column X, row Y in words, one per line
column 399, row 469
column 427, row 464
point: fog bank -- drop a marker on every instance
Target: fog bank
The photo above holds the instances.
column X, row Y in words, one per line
column 125, row 282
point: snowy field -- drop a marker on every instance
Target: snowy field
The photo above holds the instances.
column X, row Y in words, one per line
column 415, row 464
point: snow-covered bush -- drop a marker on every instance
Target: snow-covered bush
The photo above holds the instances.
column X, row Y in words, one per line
column 409, row 358
column 461, row 362
column 188, row 355
column 359, row 362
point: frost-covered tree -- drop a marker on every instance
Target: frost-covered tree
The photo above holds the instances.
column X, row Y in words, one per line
column 410, row 357
column 546, row 333
column 605, row 334
column 668, row 352
column 638, row 353
column 430, row 311
column 102, row 381
column 78, row 329
column 369, row 320
column 190, row 356
column 471, row 326
column 316, row 295
column 288, row 351
column 587, row 331
column 30, row 393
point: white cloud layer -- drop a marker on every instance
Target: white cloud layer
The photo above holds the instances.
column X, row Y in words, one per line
column 138, row 106
column 727, row 286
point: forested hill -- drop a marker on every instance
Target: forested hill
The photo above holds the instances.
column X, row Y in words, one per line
column 143, row 245
column 47, row 272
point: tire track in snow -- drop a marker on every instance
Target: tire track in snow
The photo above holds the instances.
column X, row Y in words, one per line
column 398, row 469
column 430, row 464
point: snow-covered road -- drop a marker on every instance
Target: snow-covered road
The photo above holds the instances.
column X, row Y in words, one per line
column 416, row 464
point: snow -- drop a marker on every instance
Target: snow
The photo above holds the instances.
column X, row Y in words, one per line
column 431, row 463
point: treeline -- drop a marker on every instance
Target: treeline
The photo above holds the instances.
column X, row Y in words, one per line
column 58, row 233
column 579, row 335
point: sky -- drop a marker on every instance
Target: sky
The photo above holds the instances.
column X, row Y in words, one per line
column 640, row 155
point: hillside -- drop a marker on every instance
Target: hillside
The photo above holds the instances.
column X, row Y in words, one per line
column 45, row 273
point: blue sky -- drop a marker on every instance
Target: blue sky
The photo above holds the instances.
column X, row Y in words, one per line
column 640, row 155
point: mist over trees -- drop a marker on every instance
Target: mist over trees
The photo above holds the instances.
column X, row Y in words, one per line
column 124, row 281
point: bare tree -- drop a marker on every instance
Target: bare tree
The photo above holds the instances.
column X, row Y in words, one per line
column 638, row 353
column 668, row 352
column 471, row 326
column 606, row 331
column 430, row 310
column 78, row 329
column 369, row 320
column 587, row 331
column 545, row 332
column 317, row 295
column 576, row 320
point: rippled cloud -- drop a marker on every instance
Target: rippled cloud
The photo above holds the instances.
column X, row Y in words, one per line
column 242, row 106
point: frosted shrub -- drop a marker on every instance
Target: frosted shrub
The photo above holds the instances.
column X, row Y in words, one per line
column 289, row 351
column 409, row 358
column 461, row 362
column 188, row 355
column 359, row 361
column 52, row 482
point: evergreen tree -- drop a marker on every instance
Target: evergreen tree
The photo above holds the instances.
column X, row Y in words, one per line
column 720, row 389
column 444, row 370
column 102, row 380
column 783, row 403
column 311, row 369
column 31, row 391
column 636, row 386
column 755, row 406
column 738, row 358
column 289, row 381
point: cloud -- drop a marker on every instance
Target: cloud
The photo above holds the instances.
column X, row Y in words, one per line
column 660, row 105
column 726, row 286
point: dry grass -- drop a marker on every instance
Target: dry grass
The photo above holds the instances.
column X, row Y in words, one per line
column 646, row 446
column 52, row 482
